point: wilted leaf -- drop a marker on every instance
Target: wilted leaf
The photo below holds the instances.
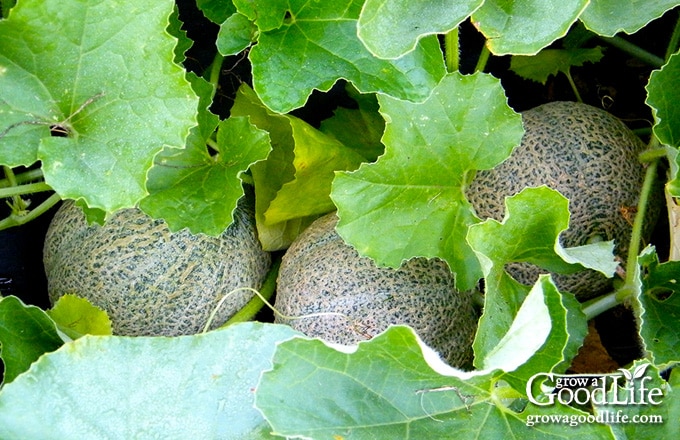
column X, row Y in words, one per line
column 293, row 185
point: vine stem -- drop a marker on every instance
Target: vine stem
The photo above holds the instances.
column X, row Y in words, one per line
column 17, row 219
column 483, row 59
column 253, row 306
column 595, row 307
column 635, row 50
column 452, row 50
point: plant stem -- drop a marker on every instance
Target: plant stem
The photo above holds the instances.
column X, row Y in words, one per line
column 599, row 305
column 573, row 85
column 29, row 188
column 635, row 50
column 21, row 178
column 673, row 43
column 636, row 236
column 452, row 50
column 17, row 220
column 248, row 312
column 215, row 72
column 483, row 58
column 595, row 307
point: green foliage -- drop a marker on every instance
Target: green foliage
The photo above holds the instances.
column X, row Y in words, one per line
column 390, row 29
column 63, row 66
column 551, row 61
column 415, row 190
column 313, row 45
column 185, row 387
column 607, row 17
column 524, row 27
column 139, row 131
column 26, row 332
column 76, row 317
column 414, row 396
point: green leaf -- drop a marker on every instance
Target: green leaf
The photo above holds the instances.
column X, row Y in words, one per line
column 414, row 194
column 645, row 421
column 523, row 27
column 359, row 129
column 609, row 17
column 26, row 332
column 184, row 43
column 660, row 317
column 6, row 5
column 548, row 323
column 79, row 66
column 662, row 95
column 207, row 187
column 103, row 387
column 552, row 61
column 390, row 29
column 236, row 33
column 304, row 46
column 216, row 11
column 76, row 317
column 414, row 396
column 529, row 233
column 293, row 185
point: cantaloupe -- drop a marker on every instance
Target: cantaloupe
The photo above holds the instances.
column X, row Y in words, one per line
column 351, row 299
column 589, row 156
column 149, row 280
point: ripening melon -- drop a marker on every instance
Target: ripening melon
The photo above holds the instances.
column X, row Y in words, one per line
column 589, row 156
column 351, row 299
column 149, row 280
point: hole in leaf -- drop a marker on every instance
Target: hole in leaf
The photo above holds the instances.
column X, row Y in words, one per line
column 660, row 293
column 57, row 130
column 288, row 18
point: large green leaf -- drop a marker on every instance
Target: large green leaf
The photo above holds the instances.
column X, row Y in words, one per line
column 660, row 314
column 390, row 28
column 206, row 186
column 523, row 27
column 305, row 45
column 111, row 387
column 662, row 96
column 644, row 418
column 529, row 233
column 391, row 387
column 414, row 194
column 26, row 332
column 609, row 17
column 293, row 185
column 79, row 66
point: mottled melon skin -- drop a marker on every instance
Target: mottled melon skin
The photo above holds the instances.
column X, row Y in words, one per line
column 151, row 281
column 320, row 273
column 590, row 157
